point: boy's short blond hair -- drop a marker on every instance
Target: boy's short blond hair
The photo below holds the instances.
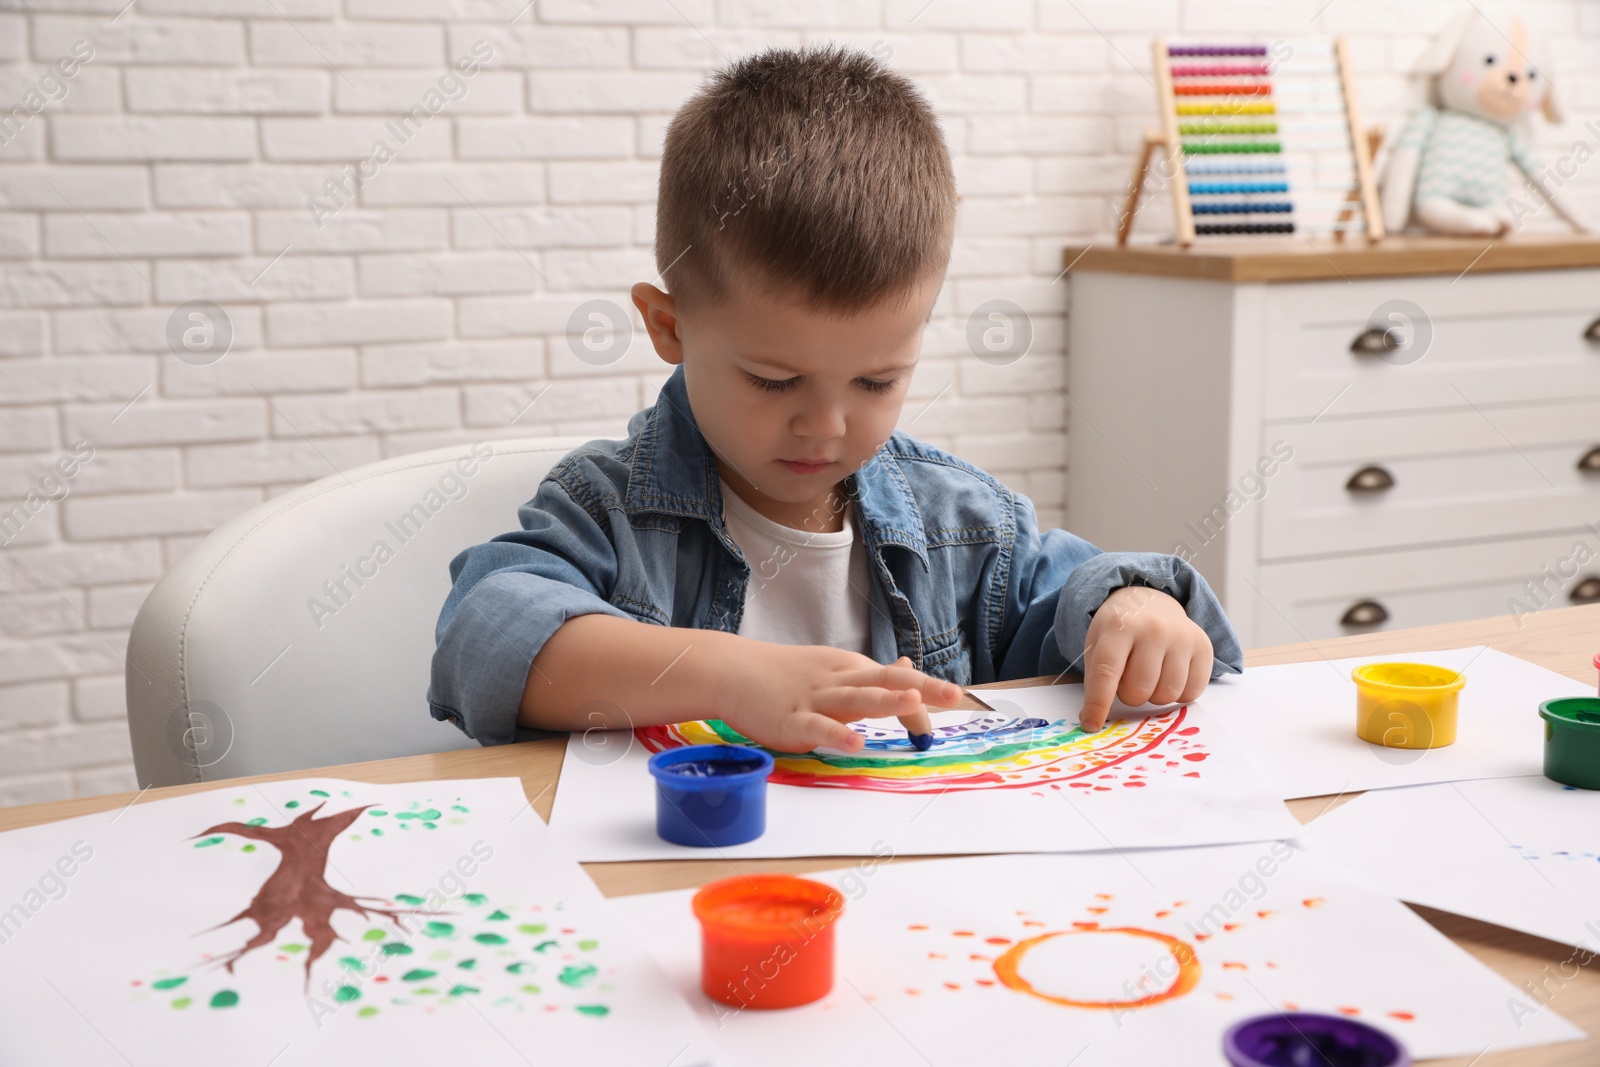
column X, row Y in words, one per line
column 817, row 170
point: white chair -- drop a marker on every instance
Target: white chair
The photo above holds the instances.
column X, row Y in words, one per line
column 300, row 634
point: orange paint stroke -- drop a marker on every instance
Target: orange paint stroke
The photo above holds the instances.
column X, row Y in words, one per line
column 1008, row 969
column 1314, row 902
column 1403, row 1016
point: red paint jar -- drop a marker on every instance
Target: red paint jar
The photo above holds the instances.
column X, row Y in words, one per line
column 766, row 940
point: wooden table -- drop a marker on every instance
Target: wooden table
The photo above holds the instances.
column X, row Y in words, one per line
column 1564, row 640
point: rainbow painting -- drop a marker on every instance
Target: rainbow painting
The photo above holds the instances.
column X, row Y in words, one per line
column 991, row 750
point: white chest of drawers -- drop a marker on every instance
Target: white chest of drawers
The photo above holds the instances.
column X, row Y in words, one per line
column 1344, row 439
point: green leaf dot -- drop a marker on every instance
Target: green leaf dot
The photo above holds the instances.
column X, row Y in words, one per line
column 439, row 929
column 498, row 914
column 292, row 947
column 182, row 1002
column 257, row 821
column 224, row 998
column 489, row 939
column 248, row 848
column 373, row 935
column 417, row 975
column 532, row 928
column 588, row 945
column 577, row 974
column 376, row 811
column 530, row 989
column 475, row 899
column 597, row 1010
column 318, row 793
column 366, row 1013
column 346, row 993
column 350, row 963
column 292, row 804
column 208, row 841
column 467, row 965
column 376, row 832
column 396, row 948
column 169, row 983
column 456, row 991
column 408, row 898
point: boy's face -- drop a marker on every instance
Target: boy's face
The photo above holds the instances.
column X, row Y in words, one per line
column 792, row 400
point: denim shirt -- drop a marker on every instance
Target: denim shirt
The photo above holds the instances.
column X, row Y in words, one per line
column 964, row 583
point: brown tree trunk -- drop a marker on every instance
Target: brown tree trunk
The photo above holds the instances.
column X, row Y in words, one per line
column 299, row 888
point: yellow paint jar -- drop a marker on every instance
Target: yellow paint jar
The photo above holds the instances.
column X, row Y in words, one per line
column 1407, row 705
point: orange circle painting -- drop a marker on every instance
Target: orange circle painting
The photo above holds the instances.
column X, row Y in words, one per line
column 1008, row 968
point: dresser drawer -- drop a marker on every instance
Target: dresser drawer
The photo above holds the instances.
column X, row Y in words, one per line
column 1390, row 481
column 1476, row 339
column 1306, row 601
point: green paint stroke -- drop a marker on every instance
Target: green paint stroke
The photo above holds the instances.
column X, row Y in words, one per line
column 248, row 848
column 318, row 793
column 182, row 1002
column 430, row 813
column 408, row 898
column 259, row 820
column 396, row 948
column 439, row 929
column 346, row 993
column 376, row 832
column 376, row 811
column 461, row 990
column 543, row 945
column 475, row 899
column 532, row 928
column 208, row 841
column 599, row 1011
column 169, row 983
column 431, row 825
column 224, row 998
column 589, row 945
column 350, row 963
column 292, row 947
column 497, row 914
column 577, row 974
column 530, row 989
column 366, row 1013
column 417, row 975
column 292, row 804
column 489, row 939
column 374, row 935
column 467, row 965
column 518, row 967
column 457, row 807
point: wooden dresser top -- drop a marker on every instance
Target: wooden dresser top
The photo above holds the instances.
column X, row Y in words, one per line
column 1291, row 259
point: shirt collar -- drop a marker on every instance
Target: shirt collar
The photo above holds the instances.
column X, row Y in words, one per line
column 674, row 473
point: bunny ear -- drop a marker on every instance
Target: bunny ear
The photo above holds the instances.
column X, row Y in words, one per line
column 1442, row 51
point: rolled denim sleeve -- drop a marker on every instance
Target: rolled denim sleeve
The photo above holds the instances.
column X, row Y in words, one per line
column 508, row 596
column 1057, row 582
column 1091, row 582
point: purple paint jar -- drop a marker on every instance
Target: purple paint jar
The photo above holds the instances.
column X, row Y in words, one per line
column 1303, row 1039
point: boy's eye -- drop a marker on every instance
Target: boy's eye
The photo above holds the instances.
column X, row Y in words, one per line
column 873, row 386
column 772, row 385
column 1488, row 60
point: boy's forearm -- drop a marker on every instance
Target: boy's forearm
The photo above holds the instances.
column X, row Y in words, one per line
column 603, row 672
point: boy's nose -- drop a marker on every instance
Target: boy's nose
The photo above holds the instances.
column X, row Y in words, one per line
column 820, row 422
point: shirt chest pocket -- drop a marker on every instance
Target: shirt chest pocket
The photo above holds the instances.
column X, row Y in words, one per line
column 948, row 656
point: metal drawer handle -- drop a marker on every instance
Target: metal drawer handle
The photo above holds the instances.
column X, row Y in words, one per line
column 1593, row 332
column 1364, row 613
column 1586, row 591
column 1590, row 463
column 1376, row 479
column 1376, row 340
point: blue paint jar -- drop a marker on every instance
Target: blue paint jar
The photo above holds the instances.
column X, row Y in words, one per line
column 1295, row 1038
column 709, row 795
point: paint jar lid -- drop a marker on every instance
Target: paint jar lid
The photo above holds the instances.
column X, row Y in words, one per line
column 766, row 907
column 1408, row 677
column 1582, row 713
column 697, row 768
column 1597, row 661
column 1294, row 1038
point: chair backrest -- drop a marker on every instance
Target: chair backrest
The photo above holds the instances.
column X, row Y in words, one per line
column 300, row 634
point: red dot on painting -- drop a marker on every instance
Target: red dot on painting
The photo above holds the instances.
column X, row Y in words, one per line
column 1172, row 763
column 1189, row 732
column 1133, row 785
column 137, row 982
column 1192, row 774
column 1195, row 756
column 997, row 941
column 1103, row 788
column 984, row 981
column 1080, row 785
column 381, row 978
column 952, row 985
column 1403, row 1016
column 1349, row 1011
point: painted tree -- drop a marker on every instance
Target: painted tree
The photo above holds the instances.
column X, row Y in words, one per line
column 298, row 888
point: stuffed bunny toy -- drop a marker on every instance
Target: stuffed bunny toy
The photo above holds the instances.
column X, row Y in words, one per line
column 1448, row 170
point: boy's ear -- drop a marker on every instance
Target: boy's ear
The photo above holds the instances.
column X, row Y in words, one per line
column 660, row 314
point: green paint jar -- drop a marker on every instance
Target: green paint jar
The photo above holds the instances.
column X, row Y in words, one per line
column 1572, row 741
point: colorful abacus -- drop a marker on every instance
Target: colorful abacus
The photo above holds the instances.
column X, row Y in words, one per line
column 1260, row 141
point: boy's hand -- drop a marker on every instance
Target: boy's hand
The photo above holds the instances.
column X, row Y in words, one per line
column 1141, row 647
column 794, row 698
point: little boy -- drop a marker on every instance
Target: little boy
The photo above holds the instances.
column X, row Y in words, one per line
column 764, row 547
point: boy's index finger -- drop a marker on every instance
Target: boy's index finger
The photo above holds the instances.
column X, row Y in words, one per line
column 1103, row 662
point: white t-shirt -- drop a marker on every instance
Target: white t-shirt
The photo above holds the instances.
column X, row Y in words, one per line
column 806, row 587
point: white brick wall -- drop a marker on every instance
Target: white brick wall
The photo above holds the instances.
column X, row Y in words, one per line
column 431, row 303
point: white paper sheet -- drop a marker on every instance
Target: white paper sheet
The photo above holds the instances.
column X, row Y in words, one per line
column 1520, row 852
column 116, row 926
column 924, row 948
column 996, row 781
column 1297, row 722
